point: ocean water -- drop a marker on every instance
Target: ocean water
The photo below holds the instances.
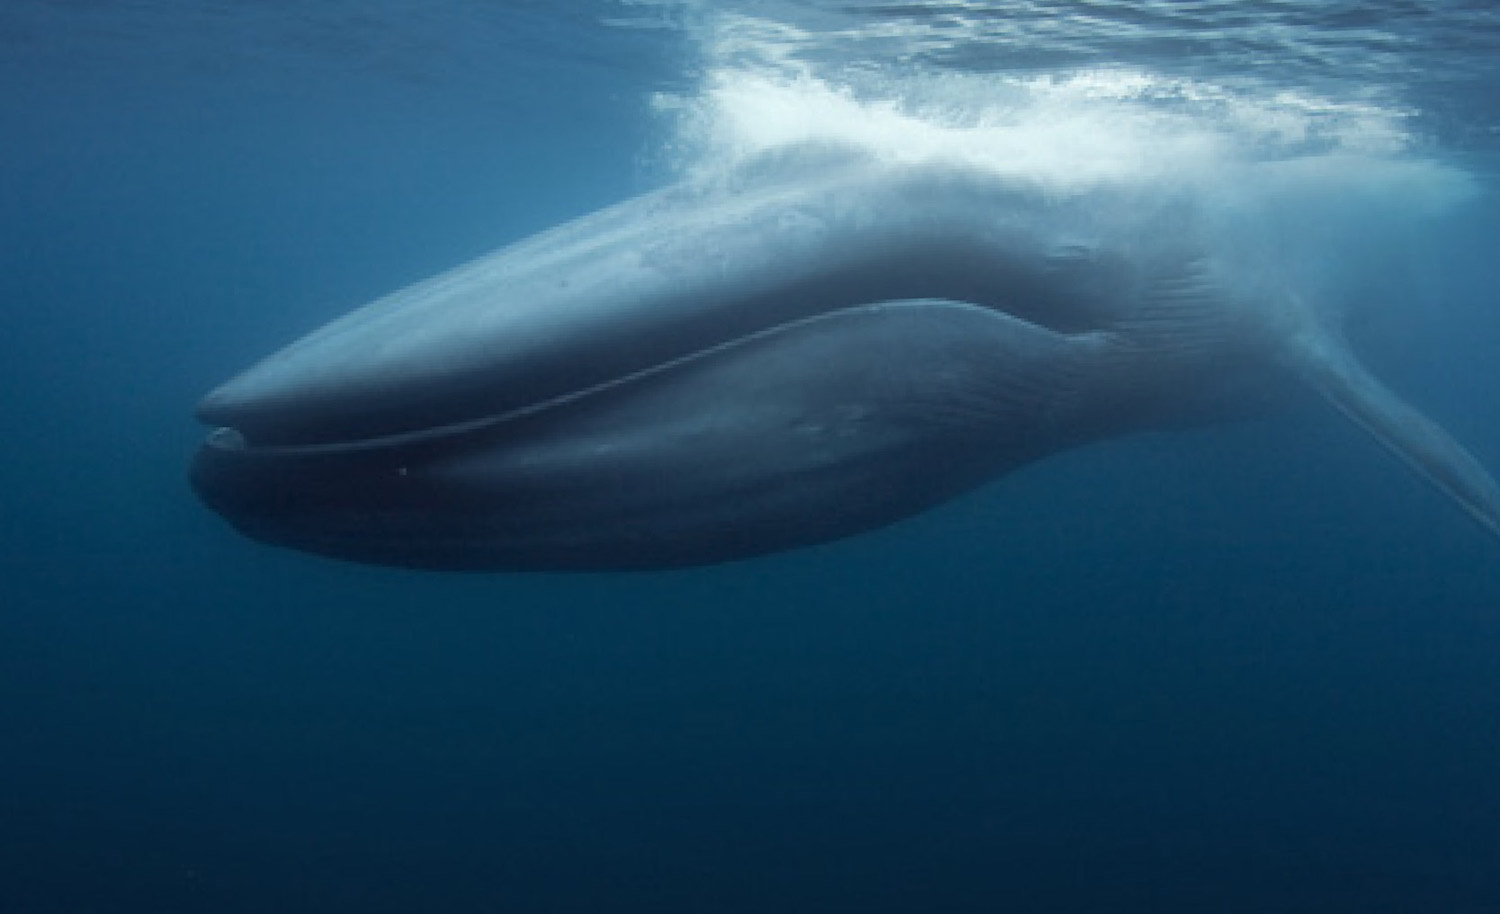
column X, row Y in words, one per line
column 1251, row 667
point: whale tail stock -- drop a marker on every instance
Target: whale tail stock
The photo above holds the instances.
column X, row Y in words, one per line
column 1325, row 361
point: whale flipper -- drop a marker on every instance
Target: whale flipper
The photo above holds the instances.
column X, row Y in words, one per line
column 1327, row 363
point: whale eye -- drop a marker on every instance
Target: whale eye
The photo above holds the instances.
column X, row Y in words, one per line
column 227, row 439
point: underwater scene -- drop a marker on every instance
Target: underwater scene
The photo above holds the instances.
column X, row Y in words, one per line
column 729, row 456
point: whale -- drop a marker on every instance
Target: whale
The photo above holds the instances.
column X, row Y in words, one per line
column 802, row 348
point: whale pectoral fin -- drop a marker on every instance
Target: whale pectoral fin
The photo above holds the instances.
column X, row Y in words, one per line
column 1423, row 444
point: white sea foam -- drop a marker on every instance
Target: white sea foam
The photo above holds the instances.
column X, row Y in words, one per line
column 1072, row 130
column 762, row 88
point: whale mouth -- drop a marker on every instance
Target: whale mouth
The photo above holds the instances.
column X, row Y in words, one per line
column 231, row 440
column 415, row 429
column 317, row 396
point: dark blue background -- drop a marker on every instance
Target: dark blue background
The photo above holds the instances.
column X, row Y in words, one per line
column 1243, row 669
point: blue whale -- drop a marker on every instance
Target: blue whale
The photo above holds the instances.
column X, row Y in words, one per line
column 801, row 349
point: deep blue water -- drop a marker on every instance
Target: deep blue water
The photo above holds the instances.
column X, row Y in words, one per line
column 1248, row 668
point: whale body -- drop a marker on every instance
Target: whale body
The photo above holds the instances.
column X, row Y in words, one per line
column 787, row 354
